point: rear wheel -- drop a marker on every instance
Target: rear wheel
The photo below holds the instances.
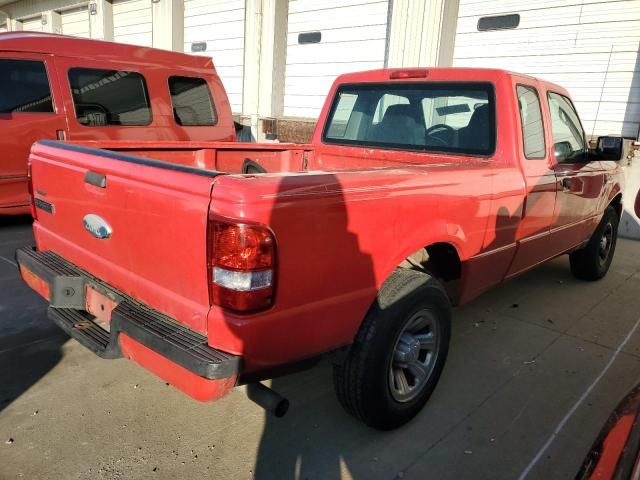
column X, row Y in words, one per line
column 399, row 352
column 592, row 262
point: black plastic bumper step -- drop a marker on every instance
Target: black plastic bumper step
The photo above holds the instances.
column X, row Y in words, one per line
column 149, row 327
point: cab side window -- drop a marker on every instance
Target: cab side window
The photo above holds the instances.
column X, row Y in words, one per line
column 24, row 87
column 568, row 136
column 531, row 123
column 109, row 97
column 192, row 102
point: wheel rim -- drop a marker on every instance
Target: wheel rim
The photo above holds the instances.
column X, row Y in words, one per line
column 606, row 241
column 414, row 356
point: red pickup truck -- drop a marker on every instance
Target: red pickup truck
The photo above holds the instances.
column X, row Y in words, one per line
column 219, row 264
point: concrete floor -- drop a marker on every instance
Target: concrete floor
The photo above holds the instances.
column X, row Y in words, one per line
column 530, row 365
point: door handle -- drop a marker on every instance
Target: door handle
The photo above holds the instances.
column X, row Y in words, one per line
column 566, row 184
column 97, row 179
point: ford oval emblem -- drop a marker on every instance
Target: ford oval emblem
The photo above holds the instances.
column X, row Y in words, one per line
column 96, row 226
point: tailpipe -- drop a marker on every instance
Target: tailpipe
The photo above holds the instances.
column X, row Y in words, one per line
column 271, row 401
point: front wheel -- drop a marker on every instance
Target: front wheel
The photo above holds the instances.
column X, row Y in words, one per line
column 592, row 262
column 399, row 352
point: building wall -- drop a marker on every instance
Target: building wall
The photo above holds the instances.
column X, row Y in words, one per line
column 588, row 47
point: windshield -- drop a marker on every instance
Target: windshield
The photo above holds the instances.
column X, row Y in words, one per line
column 437, row 117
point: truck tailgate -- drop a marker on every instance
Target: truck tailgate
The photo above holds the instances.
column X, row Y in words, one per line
column 138, row 224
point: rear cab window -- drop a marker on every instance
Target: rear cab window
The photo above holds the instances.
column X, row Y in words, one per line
column 109, row 97
column 441, row 117
column 531, row 123
column 192, row 102
column 24, row 87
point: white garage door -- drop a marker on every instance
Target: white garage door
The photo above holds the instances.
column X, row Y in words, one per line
column 353, row 36
column 217, row 27
column 590, row 48
column 33, row 24
column 3, row 27
column 76, row 22
column 132, row 22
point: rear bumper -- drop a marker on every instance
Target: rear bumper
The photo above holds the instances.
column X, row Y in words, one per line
column 170, row 350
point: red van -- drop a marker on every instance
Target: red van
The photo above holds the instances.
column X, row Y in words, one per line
column 59, row 87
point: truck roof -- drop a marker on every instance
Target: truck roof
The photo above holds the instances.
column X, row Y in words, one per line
column 437, row 74
column 63, row 45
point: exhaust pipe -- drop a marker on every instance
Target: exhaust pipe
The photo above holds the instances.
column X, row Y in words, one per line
column 271, row 401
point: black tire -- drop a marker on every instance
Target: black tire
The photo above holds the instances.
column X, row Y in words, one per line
column 593, row 261
column 364, row 380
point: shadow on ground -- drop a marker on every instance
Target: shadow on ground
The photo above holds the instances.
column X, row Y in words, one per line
column 30, row 344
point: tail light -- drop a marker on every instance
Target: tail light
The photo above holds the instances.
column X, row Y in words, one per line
column 241, row 265
column 32, row 200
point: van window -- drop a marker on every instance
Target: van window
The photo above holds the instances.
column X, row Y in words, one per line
column 24, row 87
column 109, row 97
column 192, row 103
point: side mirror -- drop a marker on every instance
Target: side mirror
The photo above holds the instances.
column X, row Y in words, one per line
column 609, row 148
column 562, row 151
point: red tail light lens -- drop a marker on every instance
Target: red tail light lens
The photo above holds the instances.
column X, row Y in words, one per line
column 241, row 266
column 32, row 200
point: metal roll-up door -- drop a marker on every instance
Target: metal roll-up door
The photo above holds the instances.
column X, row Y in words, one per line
column 590, row 48
column 132, row 22
column 215, row 28
column 33, row 24
column 326, row 39
column 75, row 22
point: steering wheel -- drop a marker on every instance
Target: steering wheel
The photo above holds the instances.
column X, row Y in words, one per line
column 437, row 127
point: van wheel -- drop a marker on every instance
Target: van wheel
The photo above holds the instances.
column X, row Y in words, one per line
column 399, row 352
column 592, row 262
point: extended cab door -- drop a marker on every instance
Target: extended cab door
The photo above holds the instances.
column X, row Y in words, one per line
column 540, row 181
column 578, row 181
column 30, row 110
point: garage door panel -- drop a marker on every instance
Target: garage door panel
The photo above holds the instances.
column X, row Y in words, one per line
column 355, row 34
column 32, row 24
column 338, row 18
column 366, row 50
column 226, row 31
column 307, row 6
column 132, row 22
column 76, row 22
column 591, row 49
column 3, row 27
column 332, row 70
column 221, row 25
column 205, row 16
column 353, row 38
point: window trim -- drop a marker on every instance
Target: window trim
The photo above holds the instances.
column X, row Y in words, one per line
column 146, row 92
column 544, row 134
column 213, row 103
column 585, row 143
column 46, row 71
column 491, row 90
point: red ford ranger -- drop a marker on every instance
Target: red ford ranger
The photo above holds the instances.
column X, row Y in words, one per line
column 217, row 264
column 69, row 88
